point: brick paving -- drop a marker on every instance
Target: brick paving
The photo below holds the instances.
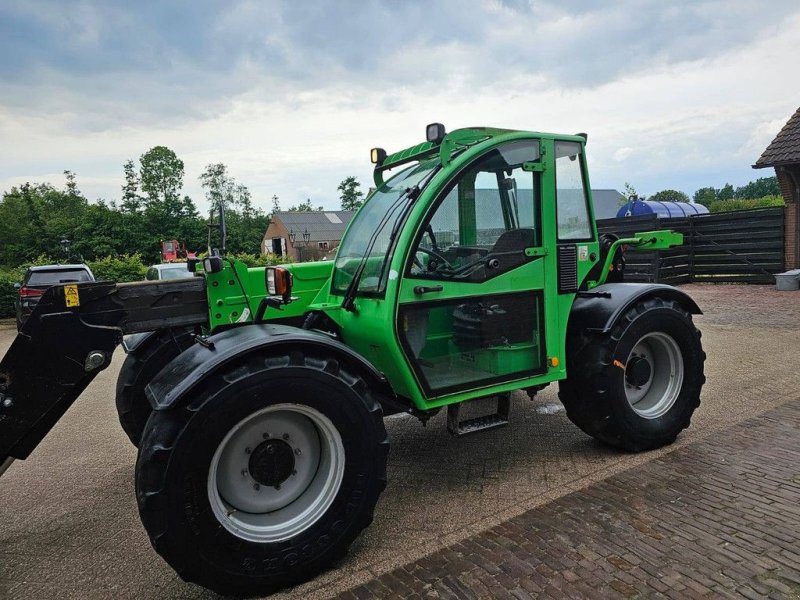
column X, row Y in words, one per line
column 717, row 518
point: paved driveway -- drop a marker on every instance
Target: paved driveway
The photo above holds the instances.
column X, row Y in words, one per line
column 69, row 523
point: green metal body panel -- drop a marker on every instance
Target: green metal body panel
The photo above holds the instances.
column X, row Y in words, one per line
column 376, row 326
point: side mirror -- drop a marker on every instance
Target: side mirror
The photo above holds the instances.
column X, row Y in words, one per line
column 279, row 283
column 17, row 286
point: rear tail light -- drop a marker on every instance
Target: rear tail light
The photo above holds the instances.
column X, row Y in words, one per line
column 26, row 292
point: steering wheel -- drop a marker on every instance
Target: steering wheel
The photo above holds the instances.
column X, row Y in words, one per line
column 437, row 255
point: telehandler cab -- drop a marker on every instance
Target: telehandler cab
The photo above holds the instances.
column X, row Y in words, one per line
column 256, row 396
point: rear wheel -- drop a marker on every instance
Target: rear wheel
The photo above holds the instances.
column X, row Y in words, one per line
column 637, row 386
column 139, row 368
column 266, row 476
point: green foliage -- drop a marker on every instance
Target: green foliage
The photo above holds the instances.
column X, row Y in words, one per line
column 245, row 224
column 257, row 260
column 131, row 201
column 726, row 193
column 745, row 203
column 34, row 218
column 669, row 196
column 350, row 195
column 629, row 194
column 760, row 188
column 705, row 196
column 304, row 207
column 161, row 175
column 8, row 293
column 127, row 267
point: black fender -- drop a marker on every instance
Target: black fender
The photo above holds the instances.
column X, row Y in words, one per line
column 596, row 311
column 174, row 382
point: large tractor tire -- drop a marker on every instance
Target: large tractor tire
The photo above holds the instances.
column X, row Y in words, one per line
column 266, row 475
column 139, row 368
column 637, row 386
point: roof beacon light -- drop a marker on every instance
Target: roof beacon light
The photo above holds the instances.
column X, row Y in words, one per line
column 377, row 156
column 435, row 133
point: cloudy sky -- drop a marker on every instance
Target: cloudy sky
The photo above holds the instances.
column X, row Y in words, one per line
column 291, row 95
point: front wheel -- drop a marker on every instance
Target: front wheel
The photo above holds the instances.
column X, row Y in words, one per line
column 636, row 387
column 266, row 476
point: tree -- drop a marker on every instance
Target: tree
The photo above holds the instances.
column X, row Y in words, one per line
column 705, row 196
column 245, row 223
column 669, row 196
column 726, row 193
column 72, row 184
column 131, row 201
column 629, row 194
column 304, row 207
column 350, row 195
column 276, row 204
column 161, row 175
column 763, row 186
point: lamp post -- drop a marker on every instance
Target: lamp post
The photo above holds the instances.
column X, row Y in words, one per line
column 293, row 238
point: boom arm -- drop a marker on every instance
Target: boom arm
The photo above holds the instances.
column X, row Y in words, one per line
column 69, row 338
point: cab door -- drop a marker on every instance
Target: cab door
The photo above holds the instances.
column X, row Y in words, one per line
column 471, row 302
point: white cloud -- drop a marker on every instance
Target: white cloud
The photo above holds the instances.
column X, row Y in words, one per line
column 664, row 106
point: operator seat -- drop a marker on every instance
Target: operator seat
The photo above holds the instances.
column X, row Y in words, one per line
column 509, row 249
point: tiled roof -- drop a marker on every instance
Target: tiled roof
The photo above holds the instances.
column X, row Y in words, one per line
column 321, row 225
column 785, row 148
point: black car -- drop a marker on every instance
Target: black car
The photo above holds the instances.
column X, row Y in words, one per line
column 38, row 279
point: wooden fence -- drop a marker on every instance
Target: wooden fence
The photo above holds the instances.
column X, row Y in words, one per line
column 743, row 246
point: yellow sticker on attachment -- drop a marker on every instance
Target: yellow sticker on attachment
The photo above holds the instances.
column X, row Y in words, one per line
column 71, row 297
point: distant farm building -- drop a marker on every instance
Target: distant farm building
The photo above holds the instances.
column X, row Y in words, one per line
column 302, row 236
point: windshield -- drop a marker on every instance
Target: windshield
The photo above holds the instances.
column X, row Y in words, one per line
column 378, row 218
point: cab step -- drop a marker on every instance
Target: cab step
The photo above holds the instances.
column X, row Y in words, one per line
column 457, row 427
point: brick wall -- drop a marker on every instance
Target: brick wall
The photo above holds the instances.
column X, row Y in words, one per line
column 792, row 213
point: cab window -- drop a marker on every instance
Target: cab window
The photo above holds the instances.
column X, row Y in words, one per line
column 572, row 209
column 484, row 220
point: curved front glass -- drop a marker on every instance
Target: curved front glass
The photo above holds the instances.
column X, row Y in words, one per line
column 370, row 236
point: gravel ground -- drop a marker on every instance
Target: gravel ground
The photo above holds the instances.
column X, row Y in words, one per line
column 70, row 528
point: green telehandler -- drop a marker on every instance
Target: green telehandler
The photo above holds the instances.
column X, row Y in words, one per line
column 256, row 396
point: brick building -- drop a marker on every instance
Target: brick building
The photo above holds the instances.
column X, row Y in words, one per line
column 783, row 154
column 302, row 236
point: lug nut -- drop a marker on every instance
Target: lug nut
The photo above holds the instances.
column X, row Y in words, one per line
column 277, row 487
column 248, row 450
column 294, row 472
column 244, row 473
column 286, row 436
column 256, row 487
column 265, row 435
column 297, row 451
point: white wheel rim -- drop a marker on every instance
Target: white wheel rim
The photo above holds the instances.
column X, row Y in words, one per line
column 658, row 394
column 257, row 512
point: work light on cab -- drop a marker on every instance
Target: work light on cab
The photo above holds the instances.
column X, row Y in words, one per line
column 377, row 156
column 435, row 133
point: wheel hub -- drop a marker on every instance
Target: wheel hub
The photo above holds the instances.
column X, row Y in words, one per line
column 271, row 462
column 638, row 371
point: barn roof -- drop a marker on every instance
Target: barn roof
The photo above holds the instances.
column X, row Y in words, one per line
column 321, row 225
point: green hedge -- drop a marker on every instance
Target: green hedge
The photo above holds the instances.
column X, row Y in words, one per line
column 745, row 203
column 127, row 267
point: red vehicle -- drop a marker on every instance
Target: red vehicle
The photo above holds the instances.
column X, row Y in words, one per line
column 172, row 251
